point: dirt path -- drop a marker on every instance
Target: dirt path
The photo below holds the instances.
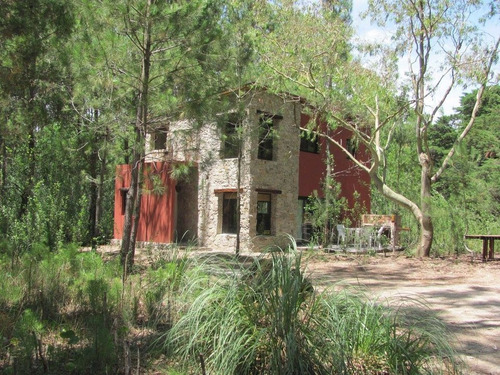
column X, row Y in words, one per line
column 465, row 295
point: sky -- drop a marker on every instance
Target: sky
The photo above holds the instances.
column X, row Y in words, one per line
column 370, row 32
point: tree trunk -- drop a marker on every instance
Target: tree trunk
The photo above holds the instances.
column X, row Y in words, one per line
column 238, row 201
column 133, row 205
column 424, row 219
column 426, row 236
column 127, row 250
column 3, row 173
column 136, row 215
column 93, row 160
column 100, row 188
column 421, row 214
column 129, row 210
column 27, row 192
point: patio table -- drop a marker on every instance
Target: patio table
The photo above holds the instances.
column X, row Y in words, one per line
column 488, row 239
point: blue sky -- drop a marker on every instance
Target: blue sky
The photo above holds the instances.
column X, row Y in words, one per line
column 370, row 32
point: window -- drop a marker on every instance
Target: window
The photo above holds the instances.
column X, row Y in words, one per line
column 229, row 213
column 230, row 140
column 266, row 127
column 123, row 196
column 309, row 142
column 159, row 141
column 351, row 146
column 264, row 214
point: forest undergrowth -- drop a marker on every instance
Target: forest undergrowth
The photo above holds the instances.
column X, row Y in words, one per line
column 74, row 312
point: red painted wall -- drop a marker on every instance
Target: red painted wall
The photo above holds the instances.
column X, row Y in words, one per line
column 157, row 217
column 312, row 168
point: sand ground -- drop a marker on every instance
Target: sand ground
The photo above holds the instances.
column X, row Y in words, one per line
column 464, row 294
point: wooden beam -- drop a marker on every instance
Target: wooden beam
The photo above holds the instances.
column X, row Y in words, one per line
column 268, row 191
column 227, row 190
column 269, row 115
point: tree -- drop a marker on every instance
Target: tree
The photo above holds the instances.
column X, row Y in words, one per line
column 158, row 53
column 99, row 120
column 37, row 175
column 371, row 102
column 479, row 163
column 32, row 81
column 325, row 212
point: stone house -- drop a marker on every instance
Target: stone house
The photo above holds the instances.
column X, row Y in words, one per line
column 275, row 173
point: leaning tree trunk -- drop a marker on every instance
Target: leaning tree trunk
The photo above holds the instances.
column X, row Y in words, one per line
column 421, row 214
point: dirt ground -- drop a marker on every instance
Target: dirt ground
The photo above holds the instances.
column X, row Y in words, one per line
column 465, row 295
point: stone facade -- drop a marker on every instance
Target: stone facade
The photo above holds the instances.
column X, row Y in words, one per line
column 277, row 177
column 274, row 174
column 200, row 198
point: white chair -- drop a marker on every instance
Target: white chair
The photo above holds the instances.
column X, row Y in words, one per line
column 365, row 237
column 341, row 236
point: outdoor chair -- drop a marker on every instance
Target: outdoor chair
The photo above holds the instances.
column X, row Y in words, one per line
column 364, row 237
column 341, row 236
column 380, row 233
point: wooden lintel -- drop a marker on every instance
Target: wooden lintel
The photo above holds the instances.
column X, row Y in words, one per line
column 227, row 190
column 268, row 191
column 269, row 115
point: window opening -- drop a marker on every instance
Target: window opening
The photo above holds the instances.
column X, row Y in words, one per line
column 123, row 195
column 309, row 142
column 230, row 139
column 160, row 139
column 264, row 214
column 229, row 213
column 266, row 127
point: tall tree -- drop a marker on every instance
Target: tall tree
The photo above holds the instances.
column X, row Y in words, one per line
column 158, row 53
column 32, row 76
column 437, row 39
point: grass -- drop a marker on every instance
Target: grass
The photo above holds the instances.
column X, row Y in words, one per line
column 70, row 312
column 269, row 319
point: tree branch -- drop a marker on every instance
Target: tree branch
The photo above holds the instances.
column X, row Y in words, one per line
column 472, row 119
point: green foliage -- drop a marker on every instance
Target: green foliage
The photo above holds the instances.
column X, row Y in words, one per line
column 161, row 285
column 326, row 212
column 181, row 171
column 37, row 294
column 264, row 316
column 268, row 319
column 467, row 196
column 26, row 333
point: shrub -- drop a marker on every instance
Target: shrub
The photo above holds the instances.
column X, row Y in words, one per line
column 268, row 319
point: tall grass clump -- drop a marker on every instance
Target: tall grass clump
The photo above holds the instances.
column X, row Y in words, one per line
column 269, row 319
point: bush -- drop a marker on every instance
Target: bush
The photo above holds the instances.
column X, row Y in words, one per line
column 268, row 319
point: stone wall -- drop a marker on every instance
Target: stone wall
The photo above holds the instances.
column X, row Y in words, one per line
column 182, row 144
column 279, row 176
column 217, row 174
